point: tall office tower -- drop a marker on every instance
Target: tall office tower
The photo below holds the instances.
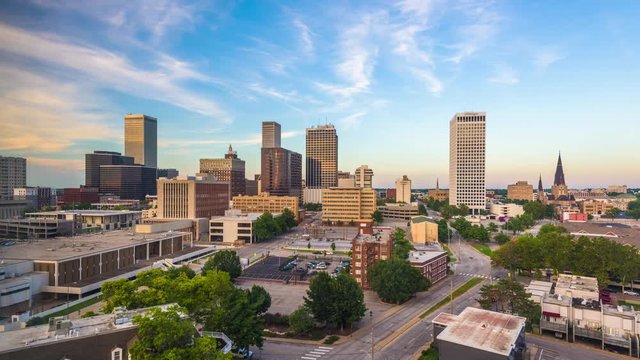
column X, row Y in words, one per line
column 93, row 161
column 141, row 139
column 13, row 174
column 128, row 181
column 322, row 157
column 192, row 197
column 403, row 190
column 467, row 160
column 364, row 177
column 230, row 170
column 270, row 134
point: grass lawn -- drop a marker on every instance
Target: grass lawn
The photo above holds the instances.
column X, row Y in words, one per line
column 483, row 249
column 456, row 293
column 43, row 320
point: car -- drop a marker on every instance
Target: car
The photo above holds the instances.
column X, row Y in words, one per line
column 632, row 293
column 243, row 353
column 321, row 266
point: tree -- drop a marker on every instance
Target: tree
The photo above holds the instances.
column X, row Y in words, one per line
column 634, row 213
column 348, row 306
column 225, row 260
column 377, row 217
column 395, row 280
column 509, row 296
column 535, row 209
column 333, row 246
column 613, row 213
column 312, row 207
column 422, row 210
column 320, row 296
column 301, row 321
column 501, row 238
column 259, row 299
column 448, row 211
column 492, row 227
column 443, row 231
column 401, row 246
column 289, row 218
column 166, row 335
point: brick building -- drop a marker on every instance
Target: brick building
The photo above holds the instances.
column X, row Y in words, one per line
column 366, row 249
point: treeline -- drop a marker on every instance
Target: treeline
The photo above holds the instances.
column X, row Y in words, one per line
column 633, row 209
column 553, row 248
column 267, row 226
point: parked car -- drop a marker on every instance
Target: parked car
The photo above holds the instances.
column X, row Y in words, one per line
column 321, row 266
column 243, row 353
column 632, row 293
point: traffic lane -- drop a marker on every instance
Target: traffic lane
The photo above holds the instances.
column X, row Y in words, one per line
column 547, row 348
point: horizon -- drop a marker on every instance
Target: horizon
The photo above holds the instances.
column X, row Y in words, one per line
column 551, row 77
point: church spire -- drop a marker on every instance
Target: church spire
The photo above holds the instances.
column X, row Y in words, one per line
column 559, row 178
column 437, row 183
column 230, row 150
column 540, row 188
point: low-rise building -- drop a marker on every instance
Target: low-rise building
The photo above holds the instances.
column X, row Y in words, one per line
column 348, row 205
column 398, row 211
column 480, row 335
column 38, row 228
column 199, row 228
column 366, row 249
column 438, row 194
column 93, row 219
column 233, row 227
column 79, row 195
column 521, row 190
column 618, row 189
column 312, row 195
column 507, row 210
column 192, row 197
column 19, row 283
column 432, row 264
column 36, row 197
column 424, row 230
column 10, row 209
column 596, row 207
column 266, row 203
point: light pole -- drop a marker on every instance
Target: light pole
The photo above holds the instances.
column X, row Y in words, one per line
column 372, row 338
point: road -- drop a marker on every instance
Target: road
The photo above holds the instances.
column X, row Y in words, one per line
column 547, row 348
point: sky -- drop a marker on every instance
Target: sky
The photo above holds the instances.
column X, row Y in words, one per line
column 551, row 75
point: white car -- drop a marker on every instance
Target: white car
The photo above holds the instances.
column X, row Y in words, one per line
column 632, row 293
column 321, row 266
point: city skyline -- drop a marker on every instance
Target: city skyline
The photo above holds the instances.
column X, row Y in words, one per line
column 388, row 76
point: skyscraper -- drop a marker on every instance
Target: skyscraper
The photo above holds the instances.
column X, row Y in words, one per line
column 364, row 177
column 128, row 181
column 270, row 134
column 192, row 197
column 230, row 170
column 403, row 190
column 13, row 174
column 467, row 160
column 141, row 139
column 322, row 157
column 93, row 161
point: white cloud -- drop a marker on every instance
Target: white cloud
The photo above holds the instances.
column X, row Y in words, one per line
column 417, row 7
column 352, row 121
column 290, row 96
column 545, row 57
column 482, row 25
column 433, row 83
column 305, row 36
column 504, row 75
column 114, row 71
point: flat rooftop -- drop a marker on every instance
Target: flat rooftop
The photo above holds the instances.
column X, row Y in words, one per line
column 444, row 319
column 379, row 235
column 421, row 218
column 484, row 330
column 567, row 282
column 249, row 216
column 61, row 248
column 424, row 256
column 85, row 212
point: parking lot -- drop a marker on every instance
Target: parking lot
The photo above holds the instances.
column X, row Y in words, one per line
column 292, row 268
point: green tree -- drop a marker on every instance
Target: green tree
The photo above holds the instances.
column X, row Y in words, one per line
column 377, row 217
column 443, row 231
column 348, row 305
column 320, row 296
column 289, row 218
column 447, row 211
column 508, row 296
column 401, row 246
column 225, row 260
column 333, row 246
column 301, row 321
column 259, row 298
column 395, row 280
column 501, row 238
column 613, row 213
column 535, row 209
column 312, row 207
column 422, row 210
column 492, row 227
column 634, row 213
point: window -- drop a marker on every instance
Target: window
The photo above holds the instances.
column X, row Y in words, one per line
column 116, row 354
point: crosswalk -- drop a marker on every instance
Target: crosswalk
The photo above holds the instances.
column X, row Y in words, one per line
column 483, row 276
column 316, row 353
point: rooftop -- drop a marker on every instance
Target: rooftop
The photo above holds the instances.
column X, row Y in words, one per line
column 445, row 319
column 424, row 256
column 249, row 216
column 484, row 330
column 617, row 232
column 421, row 218
column 60, row 248
column 378, row 235
column 84, row 212
column 573, row 283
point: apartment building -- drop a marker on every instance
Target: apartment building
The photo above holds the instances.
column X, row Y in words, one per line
column 364, row 177
column 367, row 249
column 192, row 197
column 467, row 160
column 348, row 204
column 521, row 190
column 265, row 202
column 431, row 264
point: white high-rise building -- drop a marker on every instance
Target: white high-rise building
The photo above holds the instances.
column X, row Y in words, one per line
column 403, row 190
column 364, row 177
column 467, row 160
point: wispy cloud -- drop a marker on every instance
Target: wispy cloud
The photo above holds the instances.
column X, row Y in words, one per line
column 547, row 56
column 305, row 36
column 352, row 121
column 433, row 83
column 481, row 25
column 504, row 75
column 253, row 139
column 113, row 71
column 290, row 96
column 417, row 7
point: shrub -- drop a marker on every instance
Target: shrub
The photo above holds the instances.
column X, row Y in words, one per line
column 331, row 339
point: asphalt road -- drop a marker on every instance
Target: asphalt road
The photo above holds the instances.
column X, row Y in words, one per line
column 548, row 348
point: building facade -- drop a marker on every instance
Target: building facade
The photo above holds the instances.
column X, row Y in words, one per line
column 93, row 161
column 233, row 227
column 13, row 174
column 467, row 160
column 507, row 210
column 521, row 190
column 270, row 134
column 79, row 195
column 364, row 177
column 431, row 264
column 128, row 181
column 403, row 190
column 10, row 209
column 366, row 250
column 168, row 173
column 36, row 197
column 322, row 157
column 265, row 202
column 618, row 189
column 92, row 220
column 231, row 170
column 281, row 172
column 348, row 205
column 424, row 230
column 141, row 139
column 192, row 197
column 398, row 212
column 312, row 196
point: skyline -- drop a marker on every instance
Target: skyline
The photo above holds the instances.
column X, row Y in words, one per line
column 388, row 76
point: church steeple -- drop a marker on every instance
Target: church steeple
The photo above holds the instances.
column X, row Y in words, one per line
column 540, row 188
column 559, row 178
column 437, row 183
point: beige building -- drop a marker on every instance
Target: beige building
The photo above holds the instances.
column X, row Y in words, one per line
column 233, row 227
column 438, row 194
column 521, row 190
column 231, row 170
column 13, row 174
column 192, row 197
column 622, row 189
column 347, row 182
column 271, row 134
column 508, row 210
column 265, row 202
column 424, row 230
column 348, row 204
column 467, row 160
column 141, row 139
column 596, row 207
column 364, row 177
column 312, row 196
column 403, row 190
column 399, row 212
column 322, row 157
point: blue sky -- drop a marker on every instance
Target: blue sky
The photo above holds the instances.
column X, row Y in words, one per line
column 552, row 76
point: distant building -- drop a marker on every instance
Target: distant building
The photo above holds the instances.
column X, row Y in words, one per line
column 467, row 160
column 424, row 230
column 398, row 212
column 92, row 220
column 233, row 227
column 347, row 181
column 141, row 139
column 521, row 190
column 80, row 195
column 507, row 210
column 271, row 132
column 403, row 190
column 438, row 194
column 231, row 170
column 10, row 209
column 589, row 194
column 619, row 189
column 596, row 207
column 13, row 174
column 560, row 195
column 36, row 197
column 322, row 157
column 93, row 161
column 391, row 194
column 128, row 181
column 192, row 197
column 480, row 335
column 431, row 264
column 265, row 202
column 251, row 187
column 366, row 250
column 281, row 169
column 348, row 205
column 168, row 173
column 312, row 196
column 364, row 177
column 36, row 228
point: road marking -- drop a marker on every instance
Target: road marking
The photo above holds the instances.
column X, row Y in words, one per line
column 324, row 347
column 322, row 350
column 541, row 351
column 314, row 352
column 307, row 358
column 313, row 355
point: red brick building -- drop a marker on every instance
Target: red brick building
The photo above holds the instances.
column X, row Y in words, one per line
column 432, row 264
column 81, row 195
column 366, row 249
